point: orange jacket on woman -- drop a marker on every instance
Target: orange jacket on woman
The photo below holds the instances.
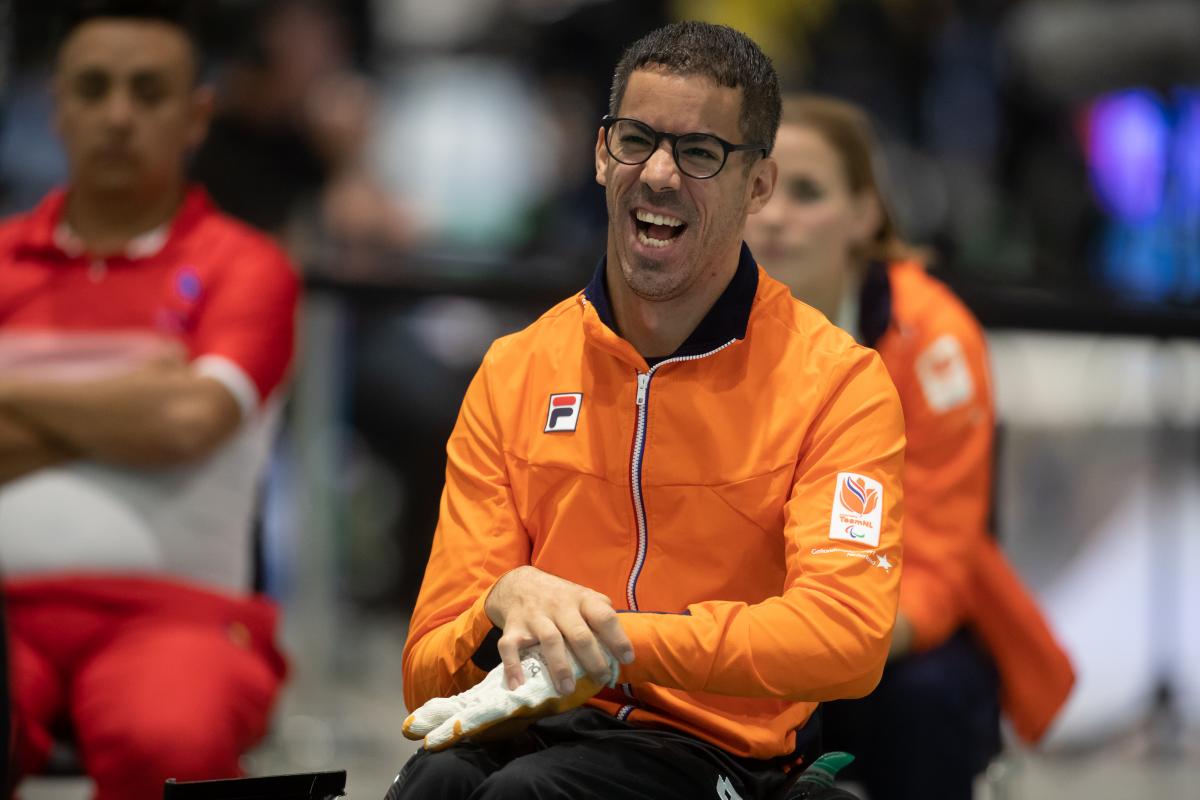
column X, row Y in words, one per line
column 954, row 574
column 742, row 498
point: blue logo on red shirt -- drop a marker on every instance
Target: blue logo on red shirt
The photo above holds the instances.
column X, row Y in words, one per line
column 187, row 284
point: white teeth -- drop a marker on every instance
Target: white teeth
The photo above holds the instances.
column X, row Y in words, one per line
column 657, row 219
column 646, row 240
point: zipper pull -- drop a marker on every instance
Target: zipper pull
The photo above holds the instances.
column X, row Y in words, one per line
column 643, row 384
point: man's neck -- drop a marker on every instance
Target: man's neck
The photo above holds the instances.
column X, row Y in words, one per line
column 107, row 221
column 656, row 329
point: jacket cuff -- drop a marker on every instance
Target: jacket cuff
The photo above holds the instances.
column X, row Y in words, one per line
column 653, row 661
column 487, row 655
column 477, row 639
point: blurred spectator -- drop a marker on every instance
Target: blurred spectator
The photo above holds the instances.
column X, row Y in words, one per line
column 967, row 634
column 143, row 341
column 288, row 140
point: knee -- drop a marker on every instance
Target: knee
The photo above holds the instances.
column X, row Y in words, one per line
column 443, row 775
column 942, row 704
column 919, row 682
column 953, row 677
column 152, row 750
column 521, row 781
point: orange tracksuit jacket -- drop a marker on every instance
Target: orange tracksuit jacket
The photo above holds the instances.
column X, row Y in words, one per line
column 743, row 495
column 954, row 574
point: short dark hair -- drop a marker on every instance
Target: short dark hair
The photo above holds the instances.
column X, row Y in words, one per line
column 179, row 13
column 727, row 56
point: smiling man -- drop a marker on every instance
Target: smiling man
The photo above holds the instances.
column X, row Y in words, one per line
column 671, row 518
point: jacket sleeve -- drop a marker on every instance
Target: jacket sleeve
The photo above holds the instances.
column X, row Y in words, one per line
column 948, row 469
column 827, row 635
column 478, row 539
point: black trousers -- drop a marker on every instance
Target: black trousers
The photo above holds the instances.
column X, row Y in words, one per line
column 586, row 753
column 927, row 730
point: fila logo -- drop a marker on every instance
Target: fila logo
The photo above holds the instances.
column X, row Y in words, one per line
column 563, row 414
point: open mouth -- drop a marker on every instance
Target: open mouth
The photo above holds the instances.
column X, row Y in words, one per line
column 657, row 230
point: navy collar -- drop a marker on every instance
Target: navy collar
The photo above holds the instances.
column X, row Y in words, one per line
column 724, row 322
column 875, row 304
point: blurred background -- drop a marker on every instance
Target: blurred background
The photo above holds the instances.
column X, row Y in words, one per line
column 429, row 167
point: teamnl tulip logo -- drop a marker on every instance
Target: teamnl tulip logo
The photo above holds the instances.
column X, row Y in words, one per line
column 858, row 497
column 857, row 513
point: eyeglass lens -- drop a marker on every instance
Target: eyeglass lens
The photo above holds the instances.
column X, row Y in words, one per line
column 697, row 154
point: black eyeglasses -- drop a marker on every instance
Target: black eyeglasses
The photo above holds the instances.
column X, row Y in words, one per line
column 698, row 155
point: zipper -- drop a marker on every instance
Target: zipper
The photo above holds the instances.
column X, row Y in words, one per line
column 635, row 483
column 642, row 403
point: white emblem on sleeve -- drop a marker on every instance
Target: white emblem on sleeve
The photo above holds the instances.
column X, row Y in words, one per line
column 857, row 509
column 944, row 376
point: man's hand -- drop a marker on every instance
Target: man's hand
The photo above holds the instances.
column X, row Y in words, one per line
column 491, row 709
column 571, row 623
column 24, row 450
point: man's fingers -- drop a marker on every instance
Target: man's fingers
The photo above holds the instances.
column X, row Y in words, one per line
column 607, row 625
column 509, row 646
column 554, row 652
column 588, row 651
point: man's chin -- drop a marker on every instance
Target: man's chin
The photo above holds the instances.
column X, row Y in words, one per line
column 112, row 181
column 651, row 280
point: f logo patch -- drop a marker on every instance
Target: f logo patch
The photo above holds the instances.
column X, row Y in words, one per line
column 563, row 414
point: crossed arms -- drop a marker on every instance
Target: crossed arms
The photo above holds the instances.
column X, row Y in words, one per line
column 160, row 414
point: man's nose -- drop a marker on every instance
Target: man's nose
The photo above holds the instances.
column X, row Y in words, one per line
column 118, row 108
column 660, row 172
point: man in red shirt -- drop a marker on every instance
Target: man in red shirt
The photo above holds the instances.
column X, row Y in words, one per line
column 143, row 341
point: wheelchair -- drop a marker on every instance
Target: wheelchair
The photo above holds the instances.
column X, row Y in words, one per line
column 816, row 781
column 302, row 786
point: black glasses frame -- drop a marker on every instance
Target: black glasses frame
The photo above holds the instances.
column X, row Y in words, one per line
column 608, row 121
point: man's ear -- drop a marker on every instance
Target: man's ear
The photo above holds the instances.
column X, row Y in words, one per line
column 763, row 177
column 601, row 159
column 203, row 102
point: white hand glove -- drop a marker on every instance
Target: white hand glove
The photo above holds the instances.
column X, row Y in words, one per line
column 445, row 720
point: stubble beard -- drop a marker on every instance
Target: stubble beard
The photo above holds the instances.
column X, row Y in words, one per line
column 652, row 279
